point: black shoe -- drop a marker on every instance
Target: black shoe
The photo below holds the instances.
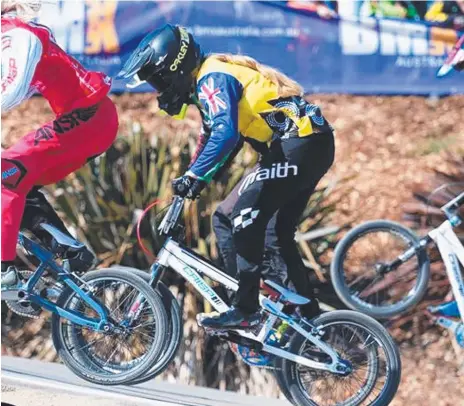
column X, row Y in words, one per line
column 82, row 261
column 233, row 319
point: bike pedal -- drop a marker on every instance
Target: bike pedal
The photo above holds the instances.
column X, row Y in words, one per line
column 449, row 309
column 200, row 316
column 447, row 323
column 216, row 333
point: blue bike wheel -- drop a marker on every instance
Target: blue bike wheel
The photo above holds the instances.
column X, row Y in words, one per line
column 111, row 358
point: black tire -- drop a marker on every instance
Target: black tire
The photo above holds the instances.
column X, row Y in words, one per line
column 281, row 379
column 141, row 366
column 174, row 330
column 353, row 302
column 379, row 334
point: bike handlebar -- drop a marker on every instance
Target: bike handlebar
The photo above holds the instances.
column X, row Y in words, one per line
column 452, row 207
column 455, row 203
column 172, row 216
column 460, row 199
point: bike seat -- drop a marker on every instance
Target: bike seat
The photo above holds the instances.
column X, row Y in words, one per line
column 62, row 240
column 287, row 295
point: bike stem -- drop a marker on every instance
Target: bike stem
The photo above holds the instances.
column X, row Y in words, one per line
column 137, row 307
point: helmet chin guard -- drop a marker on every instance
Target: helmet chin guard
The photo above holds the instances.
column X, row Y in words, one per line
column 166, row 59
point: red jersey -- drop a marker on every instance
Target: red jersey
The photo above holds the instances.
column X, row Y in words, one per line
column 33, row 62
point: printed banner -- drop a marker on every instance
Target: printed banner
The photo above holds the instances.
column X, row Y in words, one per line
column 328, row 54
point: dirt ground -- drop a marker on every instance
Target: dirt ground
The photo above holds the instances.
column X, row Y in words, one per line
column 387, row 145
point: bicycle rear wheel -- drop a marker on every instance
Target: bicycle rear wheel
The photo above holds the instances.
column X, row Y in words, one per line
column 280, row 377
column 361, row 342
column 111, row 358
column 361, row 275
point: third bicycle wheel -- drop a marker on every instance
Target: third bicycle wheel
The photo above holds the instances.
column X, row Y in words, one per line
column 377, row 271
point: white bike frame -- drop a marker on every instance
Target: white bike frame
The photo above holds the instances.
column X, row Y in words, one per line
column 452, row 252
column 189, row 265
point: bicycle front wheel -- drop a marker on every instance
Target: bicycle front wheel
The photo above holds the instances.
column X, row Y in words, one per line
column 174, row 330
column 111, row 358
column 371, row 273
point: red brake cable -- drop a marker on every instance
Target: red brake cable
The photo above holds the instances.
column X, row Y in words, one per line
column 139, row 221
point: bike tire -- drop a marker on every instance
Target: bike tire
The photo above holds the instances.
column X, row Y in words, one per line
column 175, row 330
column 343, row 291
column 147, row 360
column 281, row 380
column 375, row 328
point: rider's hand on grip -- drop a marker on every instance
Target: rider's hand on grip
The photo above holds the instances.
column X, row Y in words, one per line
column 188, row 187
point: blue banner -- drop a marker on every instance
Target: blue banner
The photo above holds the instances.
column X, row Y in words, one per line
column 326, row 55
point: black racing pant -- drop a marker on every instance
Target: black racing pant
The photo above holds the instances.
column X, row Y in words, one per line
column 273, row 266
column 255, row 225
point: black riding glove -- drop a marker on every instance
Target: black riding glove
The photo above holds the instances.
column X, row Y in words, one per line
column 188, row 187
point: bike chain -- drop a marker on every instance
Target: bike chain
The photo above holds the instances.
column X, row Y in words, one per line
column 25, row 308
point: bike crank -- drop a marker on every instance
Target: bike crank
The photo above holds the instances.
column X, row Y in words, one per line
column 25, row 307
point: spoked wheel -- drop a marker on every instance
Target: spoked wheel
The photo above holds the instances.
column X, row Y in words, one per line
column 373, row 360
column 371, row 273
column 114, row 357
column 174, row 330
column 281, row 379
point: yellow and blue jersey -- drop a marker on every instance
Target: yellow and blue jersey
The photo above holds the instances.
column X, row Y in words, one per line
column 239, row 101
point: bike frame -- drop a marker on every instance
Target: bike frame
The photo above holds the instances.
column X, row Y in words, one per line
column 450, row 248
column 452, row 252
column 189, row 265
column 47, row 261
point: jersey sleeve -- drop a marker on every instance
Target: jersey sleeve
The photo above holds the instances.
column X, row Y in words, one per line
column 21, row 52
column 219, row 94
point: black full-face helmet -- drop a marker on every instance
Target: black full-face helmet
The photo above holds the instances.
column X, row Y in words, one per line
column 166, row 59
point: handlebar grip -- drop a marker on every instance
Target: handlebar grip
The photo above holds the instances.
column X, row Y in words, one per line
column 460, row 199
column 455, row 203
column 451, row 210
column 181, row 188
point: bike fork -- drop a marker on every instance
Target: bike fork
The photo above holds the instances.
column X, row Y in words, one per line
column 408, row 254
column 138, row 304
